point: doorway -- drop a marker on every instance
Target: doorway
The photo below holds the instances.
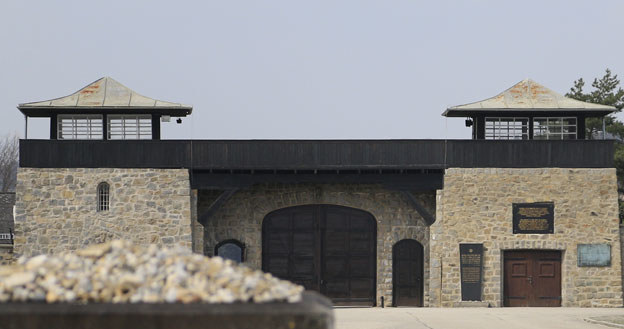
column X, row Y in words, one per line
column 327, row 248
column 532, row 278
column 407, row 273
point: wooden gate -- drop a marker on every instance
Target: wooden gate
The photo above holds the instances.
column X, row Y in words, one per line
column 407, row 273
column 532, row 278
column 327, row 248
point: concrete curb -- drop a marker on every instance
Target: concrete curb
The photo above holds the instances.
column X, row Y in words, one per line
column 313, row 312
column 604, row 323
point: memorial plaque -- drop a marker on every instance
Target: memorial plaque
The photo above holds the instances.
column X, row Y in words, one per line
column 471, row 263
column 593, row 255
column 531, row 218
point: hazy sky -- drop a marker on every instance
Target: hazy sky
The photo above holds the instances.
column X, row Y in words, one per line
column 294, row 69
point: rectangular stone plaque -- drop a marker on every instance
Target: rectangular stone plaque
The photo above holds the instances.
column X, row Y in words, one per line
column 471, row 264
column 530, row 218
column 593, row 255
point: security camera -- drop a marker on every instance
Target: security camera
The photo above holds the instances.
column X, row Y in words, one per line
column 179, row 121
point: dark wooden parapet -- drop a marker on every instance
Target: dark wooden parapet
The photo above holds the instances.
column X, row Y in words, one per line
column 320, row 154
column 529, row 154
column 313, row 312
column 104, row 154
column 356, row 156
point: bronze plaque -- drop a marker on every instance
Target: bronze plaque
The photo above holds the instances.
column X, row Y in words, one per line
column 530, row 218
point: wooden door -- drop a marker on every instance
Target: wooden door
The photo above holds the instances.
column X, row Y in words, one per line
column 348, row 256
column 532, row 278
column 407, row 273
column 290, row 246
column 331, row 249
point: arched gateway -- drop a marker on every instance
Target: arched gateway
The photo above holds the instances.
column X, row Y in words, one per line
column 327, row 248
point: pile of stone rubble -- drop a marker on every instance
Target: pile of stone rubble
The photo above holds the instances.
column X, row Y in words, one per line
column 119, row 272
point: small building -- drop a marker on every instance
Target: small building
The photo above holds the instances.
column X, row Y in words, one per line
column 104, row 110
column 528, row 110
column 523, row 214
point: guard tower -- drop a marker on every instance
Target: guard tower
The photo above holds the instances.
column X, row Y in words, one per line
column 528, row 110
column 104, row 110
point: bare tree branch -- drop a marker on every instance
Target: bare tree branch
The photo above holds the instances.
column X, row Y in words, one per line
column 9, row 151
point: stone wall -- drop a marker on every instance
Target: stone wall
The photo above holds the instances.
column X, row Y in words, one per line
column 622, row 254
column 241, row 218
column 56, row 208
column 476, row 206
column 6, row 255
column 197, row 230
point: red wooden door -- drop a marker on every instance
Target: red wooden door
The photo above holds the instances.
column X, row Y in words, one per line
column 532, row 278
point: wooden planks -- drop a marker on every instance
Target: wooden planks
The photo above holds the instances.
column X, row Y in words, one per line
column 327, row 248
column 316, row 154
column 407, row 273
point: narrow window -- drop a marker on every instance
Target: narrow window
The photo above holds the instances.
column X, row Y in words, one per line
column 231, row 249
column 103, row 197
column 129, row 127
column 79, row 127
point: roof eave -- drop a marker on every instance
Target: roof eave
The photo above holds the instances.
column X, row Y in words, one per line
column 46, row 111
column 451, row 112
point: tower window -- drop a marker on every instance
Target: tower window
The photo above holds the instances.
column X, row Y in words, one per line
column 554, row 128
column 79, row 127
column 506, row 128
column 130, row 127
column 103, row 197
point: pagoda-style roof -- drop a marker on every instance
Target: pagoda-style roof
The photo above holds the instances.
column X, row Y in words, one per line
column 528, row 96
column 105, row 95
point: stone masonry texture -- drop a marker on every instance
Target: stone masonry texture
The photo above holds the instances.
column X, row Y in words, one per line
column 56, row 209
column 241, row 218
column 476, row 207
column 622, row 254
column 6, row 255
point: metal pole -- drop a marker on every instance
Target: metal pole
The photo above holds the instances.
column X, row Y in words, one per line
column 604, row 131
column 25, row 126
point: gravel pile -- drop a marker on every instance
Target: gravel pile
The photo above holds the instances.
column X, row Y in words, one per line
column 119, row 272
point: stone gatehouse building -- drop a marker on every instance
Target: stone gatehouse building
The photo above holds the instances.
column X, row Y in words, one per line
column 523, row 214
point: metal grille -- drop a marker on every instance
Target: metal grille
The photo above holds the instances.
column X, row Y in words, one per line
column 103, row 197
column 79, row 127
column 506, row 128
column 6, row 236
column 554, row 128
column 129, row 127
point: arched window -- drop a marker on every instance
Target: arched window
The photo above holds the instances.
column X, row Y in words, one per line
column 231, row 249
column 103, row 197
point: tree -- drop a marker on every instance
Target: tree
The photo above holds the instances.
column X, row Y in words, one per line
column 9, row 151
column 607, row 92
